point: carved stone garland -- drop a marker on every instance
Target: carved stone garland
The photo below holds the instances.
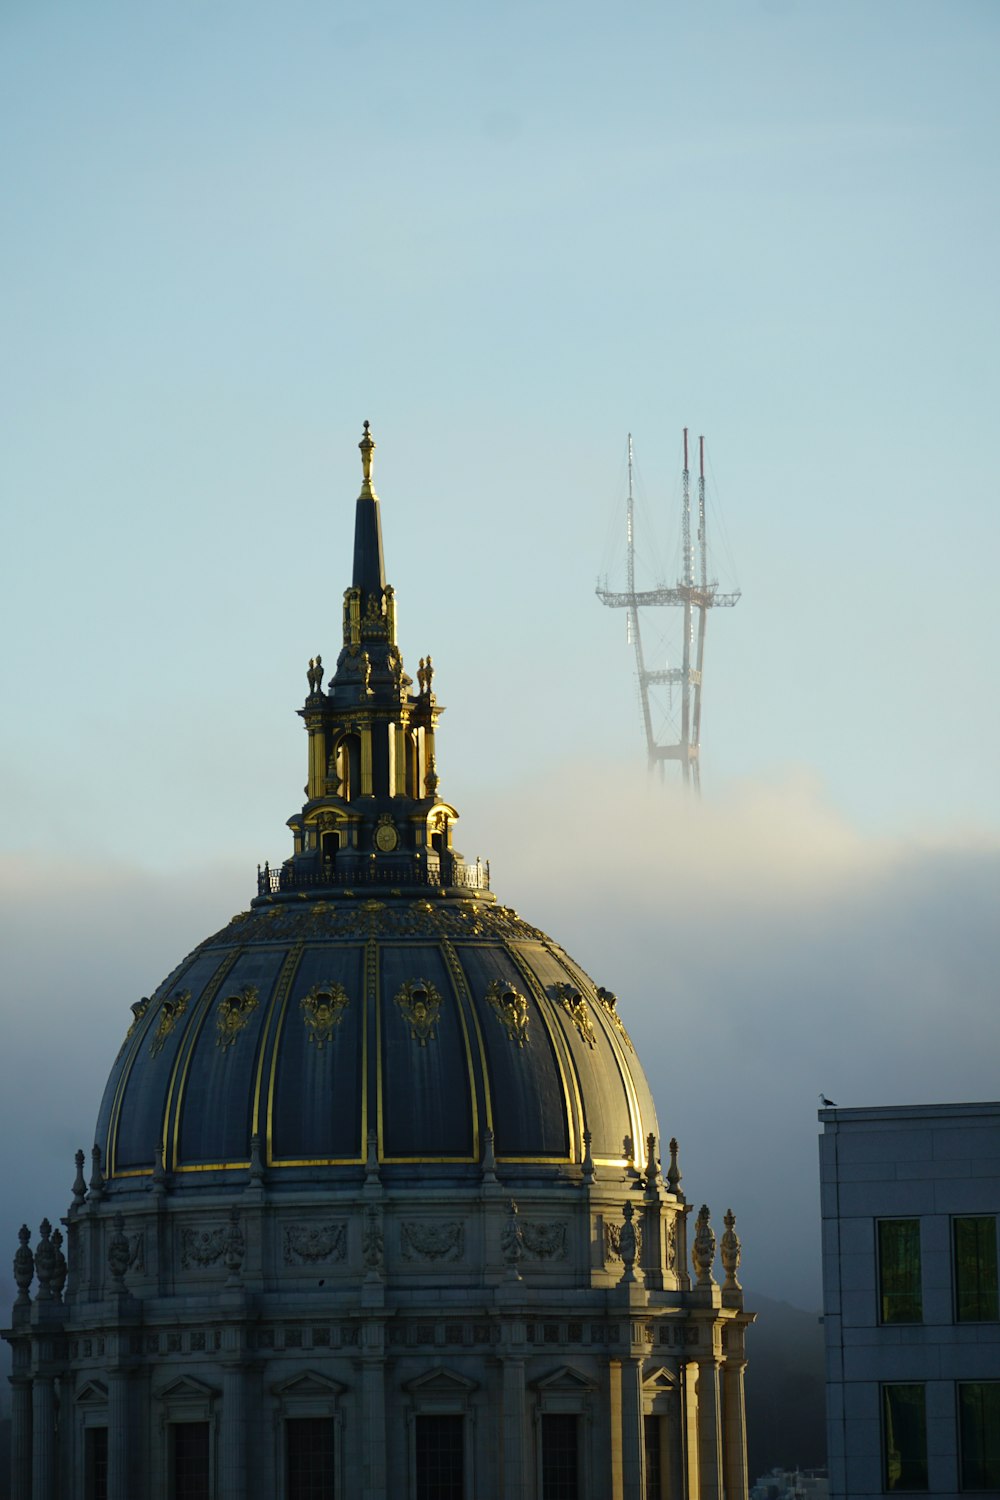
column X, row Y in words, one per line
column 422, row 1241
column 312, row 1244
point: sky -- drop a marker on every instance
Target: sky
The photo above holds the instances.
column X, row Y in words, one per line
column 509, row 235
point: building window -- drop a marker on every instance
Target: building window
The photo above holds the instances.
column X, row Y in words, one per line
column 899, row 1271
column 976, row 1270
column 560, row 1457
column 95, row 1463
column 440, row 1458
column 309, row 1458
column 904, row 1437
column 652, row 1428
column 979, row 1435
column 190, row 1455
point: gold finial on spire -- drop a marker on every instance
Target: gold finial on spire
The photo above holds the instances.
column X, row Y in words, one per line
column 367, row 446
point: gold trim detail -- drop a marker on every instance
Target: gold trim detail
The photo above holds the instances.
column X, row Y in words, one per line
column 420, row 1006
column 170, row 1013
column 578, row 1011
column 511, row 1009
column 233, row 1014
column 609, row 1002
column 575, row 1120
column 323, row 1010
column 185, row 1052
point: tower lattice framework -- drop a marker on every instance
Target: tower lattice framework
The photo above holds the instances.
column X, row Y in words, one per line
column 695, row 593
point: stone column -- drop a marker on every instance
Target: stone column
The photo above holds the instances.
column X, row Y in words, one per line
column 399, row 788
column 615, row 1421
column 43, row 1438
column 366, row 760
column 689, row 1418
column 515, row 1478
column 373, row 1414
column 633, row 1445
column 232, row 1436
column 118, row 1436
column 20, row 1439
column 709, row 1430
column 734, row 1431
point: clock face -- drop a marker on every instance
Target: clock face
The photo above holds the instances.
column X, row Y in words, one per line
column 386, row 838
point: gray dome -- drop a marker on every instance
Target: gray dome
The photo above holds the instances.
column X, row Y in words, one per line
column 310, row 1023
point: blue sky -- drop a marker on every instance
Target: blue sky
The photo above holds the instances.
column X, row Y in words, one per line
column 507, row 235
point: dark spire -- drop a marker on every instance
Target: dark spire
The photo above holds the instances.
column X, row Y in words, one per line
column 369, row 568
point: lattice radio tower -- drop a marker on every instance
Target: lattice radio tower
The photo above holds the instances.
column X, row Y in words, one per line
column 695, row 596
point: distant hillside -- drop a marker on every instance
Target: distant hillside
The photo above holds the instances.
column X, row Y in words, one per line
column 786, row 1414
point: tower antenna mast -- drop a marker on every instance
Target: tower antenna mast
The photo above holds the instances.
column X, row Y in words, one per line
column 695, row 594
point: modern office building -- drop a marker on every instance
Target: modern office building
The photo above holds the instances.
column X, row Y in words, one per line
column 376, row 1206
column 910, row 1204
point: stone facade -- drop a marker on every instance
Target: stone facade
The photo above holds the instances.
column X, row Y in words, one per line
column 908, row 1353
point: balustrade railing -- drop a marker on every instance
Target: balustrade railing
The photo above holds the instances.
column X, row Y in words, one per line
column 271, row 882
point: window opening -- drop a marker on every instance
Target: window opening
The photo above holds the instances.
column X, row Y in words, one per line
column 976, row 1270
column 560, row 1457
column 309, row 1458
column 904, row 1437
column 901, row 1300
column 440, row 1458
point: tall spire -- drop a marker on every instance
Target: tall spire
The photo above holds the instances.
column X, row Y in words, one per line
column 369, row 566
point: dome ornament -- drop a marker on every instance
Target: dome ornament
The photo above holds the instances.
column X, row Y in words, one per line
column 628, row 1246
column 367, row 446
column 703, row 1249
column 731, row 1252
column 579, row 1012
column 234, row 1013
column 24, row 1266
column 512, row 1243
column 420, row 1006
column 511, row 1010
column 323, row 1010
column 170, row 1013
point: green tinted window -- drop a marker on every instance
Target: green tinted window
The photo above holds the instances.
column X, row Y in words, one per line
column 979, row 1435
column 976, row 1270
column 904, row 1437
column 899, row 1271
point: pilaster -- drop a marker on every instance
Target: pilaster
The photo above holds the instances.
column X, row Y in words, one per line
column 43, row 1438
column 20, row 1437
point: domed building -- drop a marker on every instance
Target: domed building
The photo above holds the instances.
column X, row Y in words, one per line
column 376, row 1207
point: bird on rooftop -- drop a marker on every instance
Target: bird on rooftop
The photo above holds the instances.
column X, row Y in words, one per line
column 827, row 1103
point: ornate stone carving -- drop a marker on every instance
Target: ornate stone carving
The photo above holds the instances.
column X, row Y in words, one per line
column 545, row 1241
column 420, row 1006
column 511, row 1009
column 79, row 1181
column 372, row 1244
column 202, row 1247
column 628, row 1244
column 730, row 1251
column 672, row 1243
column 137, row 1251
column 118, row 1252
column 170, row 1013
column 609, row 1004
column 139, row 1009
column 612, row 1240
column 233, row 1014
column 423, row 1241
column 512, row 1242
column 703, row 1249
column 312, row 1244
column 45, row 1261
column 60, row 1268
column 234, row 1245
column 323, row 1010
column 579, row 1012
column 24, row 1265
